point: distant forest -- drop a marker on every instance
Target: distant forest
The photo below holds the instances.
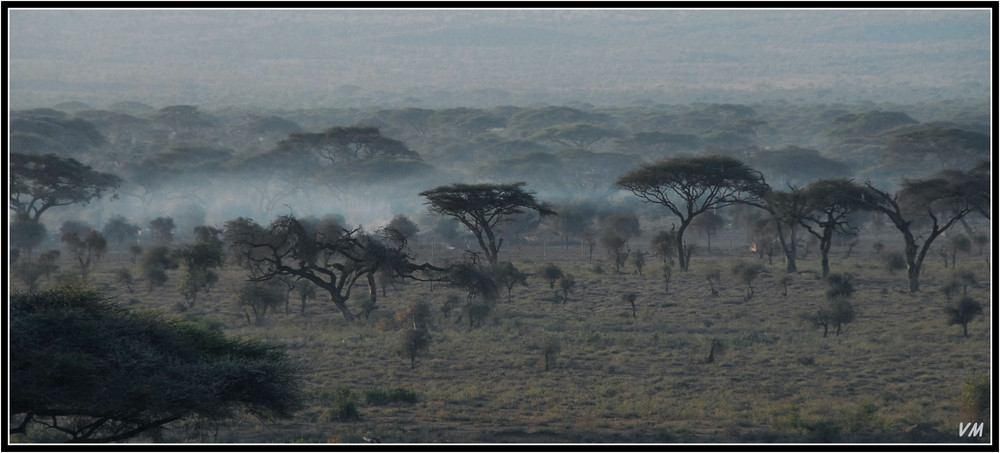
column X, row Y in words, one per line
column 368, row 164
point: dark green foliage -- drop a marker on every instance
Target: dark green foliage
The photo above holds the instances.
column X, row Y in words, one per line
column 552, row 273
column 155, row 263
column 29, row 272
column 747, row 274
column 343, row 405
column 256, row 298
column 839, row 286
column 567, row 285
column 963, row 313
column 26, row 234
column 415, row 341
column 630, row 298
column 617, row 249
column 107, row 373
column 894, row 261
column 509, row 276
column 197, row 262
column 664, row 245
column 395, row 395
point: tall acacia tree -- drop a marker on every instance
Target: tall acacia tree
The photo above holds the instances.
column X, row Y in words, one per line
column 481, row 207
column 40, row 182
column 924, row 209
column 829, row 204
column 689, row 186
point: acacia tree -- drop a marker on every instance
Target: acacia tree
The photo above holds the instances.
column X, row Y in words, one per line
column 87, row 249
column 481, row 207
column 829, row 205
column 924, row 209
column 90, row 370
column 40, row 182
column 787, row 210
column 334, row 263
column 689, row 186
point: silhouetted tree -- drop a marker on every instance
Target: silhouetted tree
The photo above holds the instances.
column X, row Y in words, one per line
column 830, row 203
column 924, row 209
column 87, row 249
column 691, row 186
column 197, row 263
column 964, row 312
column 481, row 207
column 41, row 182
column 509, row 276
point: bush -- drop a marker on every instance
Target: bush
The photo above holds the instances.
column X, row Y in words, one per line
column 396, row 395
column 864, row 419
column 975, row 399
column 894, row 261
column 344, row 406
column 109, row 373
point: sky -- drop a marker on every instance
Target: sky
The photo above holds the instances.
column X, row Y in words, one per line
column 308, row 58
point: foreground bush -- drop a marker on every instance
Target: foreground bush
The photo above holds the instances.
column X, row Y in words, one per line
column 86, row 368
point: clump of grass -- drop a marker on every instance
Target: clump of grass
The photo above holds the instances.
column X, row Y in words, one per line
column 396, row 395
column 863, row 419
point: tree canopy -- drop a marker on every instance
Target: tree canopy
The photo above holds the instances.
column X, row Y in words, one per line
column 95, row 371
column 689, row 186
column 42, row 181
column 481, row 207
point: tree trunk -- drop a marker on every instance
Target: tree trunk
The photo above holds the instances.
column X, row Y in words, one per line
column 342, row 306
column 682, row 258
column 372, row 289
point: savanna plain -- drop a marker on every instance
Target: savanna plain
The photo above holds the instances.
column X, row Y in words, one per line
column 583, row 366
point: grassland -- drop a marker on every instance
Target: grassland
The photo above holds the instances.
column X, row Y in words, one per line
column 895, row 374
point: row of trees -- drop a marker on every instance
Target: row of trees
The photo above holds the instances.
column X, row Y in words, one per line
column 687, row 187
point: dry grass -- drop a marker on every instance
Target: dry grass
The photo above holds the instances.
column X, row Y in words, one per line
column 619, row 379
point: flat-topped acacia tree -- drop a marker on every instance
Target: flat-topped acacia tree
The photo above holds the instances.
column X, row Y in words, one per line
column 481, row 207
column 689, row 186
